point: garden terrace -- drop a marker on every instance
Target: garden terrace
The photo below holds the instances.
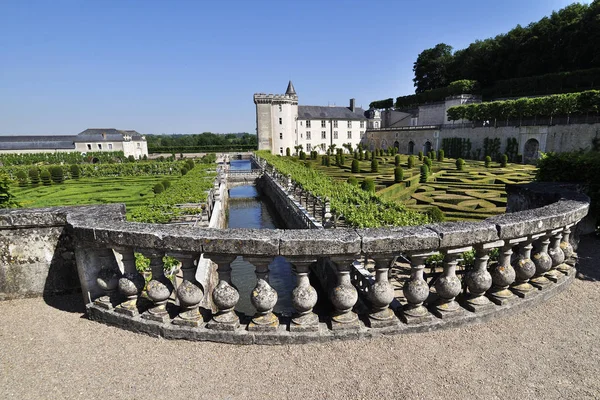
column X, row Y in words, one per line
column 334, row 297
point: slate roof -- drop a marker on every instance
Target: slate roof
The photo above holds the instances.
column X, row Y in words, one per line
column 323, row 112
column 37, row 142
column 106, row 135
column 290, row 89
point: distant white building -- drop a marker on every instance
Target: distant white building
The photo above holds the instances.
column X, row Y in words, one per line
column 281, row 123
column 131, row 143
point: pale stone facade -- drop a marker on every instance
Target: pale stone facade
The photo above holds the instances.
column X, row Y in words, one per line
column 281, row 123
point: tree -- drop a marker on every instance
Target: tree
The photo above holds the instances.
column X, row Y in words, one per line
column 432, row 67
column 7, row 200
column 298, row 148
column 287, row 152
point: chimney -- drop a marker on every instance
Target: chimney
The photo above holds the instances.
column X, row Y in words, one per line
column 352, row 107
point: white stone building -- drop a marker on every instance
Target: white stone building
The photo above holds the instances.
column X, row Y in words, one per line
column 131, row 143
column 281, row 123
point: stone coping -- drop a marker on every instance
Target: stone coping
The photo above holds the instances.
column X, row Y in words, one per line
column 283, row 335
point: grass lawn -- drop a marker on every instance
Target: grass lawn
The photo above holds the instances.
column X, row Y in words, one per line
column 133, row 191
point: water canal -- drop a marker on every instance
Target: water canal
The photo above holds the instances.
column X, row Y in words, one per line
column 250, row 209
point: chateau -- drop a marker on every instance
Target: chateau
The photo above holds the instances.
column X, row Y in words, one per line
column 131, row 143
column 281, row 123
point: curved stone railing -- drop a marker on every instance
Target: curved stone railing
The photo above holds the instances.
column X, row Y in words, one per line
column 536, row 260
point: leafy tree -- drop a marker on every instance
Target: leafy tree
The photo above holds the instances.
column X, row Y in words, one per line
column 431, row 68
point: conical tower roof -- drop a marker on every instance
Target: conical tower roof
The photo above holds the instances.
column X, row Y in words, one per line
column 290, row 89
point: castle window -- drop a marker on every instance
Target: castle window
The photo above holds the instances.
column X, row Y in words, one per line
column 335, row 124
column 308, row 124
column 308, row 147
column 280, row 108
column 335, row 136
column 110, row 146
column 362, row 124
column 281, row 150
column 349, row 124
column 280, row 135
column 99, row 146
column 323, row 134
column 349, row 134
column 280, row 121
column 323, row 124
column 139, row 146
column 308, row 135
column 89, row 146
column 396, row 135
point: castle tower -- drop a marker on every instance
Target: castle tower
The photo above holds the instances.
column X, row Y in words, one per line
column 276, row 116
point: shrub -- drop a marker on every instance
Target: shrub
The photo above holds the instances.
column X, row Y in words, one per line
column 184, row 171
column 427, row 161
column 308, row 164
column 488, row 161
column 288, row 152
column 145, row 158
column 132, row 158
column 355, row 155
column 398, row 174
column 424, row 173
column 302, row 155
column 460, row 164
column 397, row 160
column 411, row 161
column 360, row 155
column 46, row 178
column 158, row 188
column 22, row 178
column 190, row 164
column 34, row 176
column 503, row 160
column 436, row 214
column 367, row 155
column 440, row 155
column 57, row 174
column 342, row 160
column 166, row 183
column 352, row 180
column 420, row 156
column 374, row 165
column 7, row 200
column 433, row 155
column 355, row 166
column 327, row 161
column 368, row 185
column 75, row 171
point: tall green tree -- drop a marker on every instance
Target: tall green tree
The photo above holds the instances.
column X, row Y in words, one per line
column 432, row 67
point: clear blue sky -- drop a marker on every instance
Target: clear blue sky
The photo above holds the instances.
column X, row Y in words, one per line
column 193, row 66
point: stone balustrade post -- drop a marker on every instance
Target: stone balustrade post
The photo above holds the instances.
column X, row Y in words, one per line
column 159, row 288
column 304, row 298
column 190, row 292
column 556, row 255
column 225, row 296
column 131, row 285
column 381, row 294
column 343, row 297
column 479, row 280
column 263, row 298
column 542, row 261
column 568, row 251
column 524, row 269
column 503, row 275
column 125, row 259
column 416, row 290
column 448, row 286
column 108, row 281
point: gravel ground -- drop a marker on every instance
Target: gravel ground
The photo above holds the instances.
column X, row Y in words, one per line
column 49, row 351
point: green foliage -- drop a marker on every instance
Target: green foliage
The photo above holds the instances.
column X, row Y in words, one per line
column 7, row 199
column 411, row 161
column 204, row 142
column 46, row 177
column 184, row 171
column 420, row 156
column 381, row 104
column 368, row 185
column 398, row 174
column 60, row 158
column 288, row 152
column 327, row 161
column 189, row 164
column 439, row 94
column 359, row 208
column 440, row 155
column 512, row 149
column 158, row 188
column 460, row 164
column 75, row 171
column 302, row 155
column 397, row 160
column 352, row 180
column 355, row 166
column 424, row 173
column 431, row 68
column 367, row 155
column 436, row 214
column 34, row 176
column 491, row 147
column 166, row 183
column 360, row 155
column 22, row 178
column 503, row 160
column 456, row 147
column 488, row 161
column 374, row 165
column 57, row 174
column 427, row 161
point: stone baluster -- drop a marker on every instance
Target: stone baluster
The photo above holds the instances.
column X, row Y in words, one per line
column 263, row 298
column 542, row 261
column 289, row 184
column 503, row 275
column 304, row 298
column 524, row 269
column 225, row 296
column 131, row 285
column 159, row 289
column 108, row 281
column 479, row 280
column 125, row 259
column 343, row 297
column 190, row 292
column 556, row 255
column 381, row 294
column 448, row 286
column 416, row 291
column 568, row 251
column 315, row 202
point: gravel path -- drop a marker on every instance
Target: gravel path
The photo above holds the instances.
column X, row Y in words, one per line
column 550, row 352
